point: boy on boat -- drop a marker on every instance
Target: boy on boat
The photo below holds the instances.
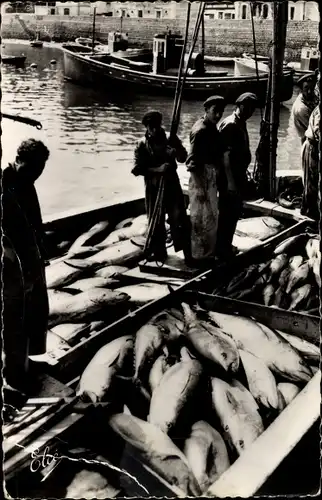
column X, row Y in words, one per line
column 155, row 158
column 304, row 104
column 203, row 163
column 234, row 141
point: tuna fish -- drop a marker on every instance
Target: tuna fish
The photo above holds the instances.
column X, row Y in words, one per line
column 172, row 324
column 111, row 271
column 85, row 305
column 148, row 344
column 291, row 244
column 316, row 268
column 137, row 228
column 277, row 354
column 313, row 248
column 143, row 293
column 297, row 276
column 268, row 294
column 281, row 401
column 119, row 254
column 278, row 297
column 91, row 484
column 243, row 243
column 158, row 369
column 284, row 277
column 206, row 453
column 57, row 299
column 71, row 332
column 307, row 349
column 209, row 346
column 278, row 263
column 65, row 272
column 124, row 223
column 299, row 295
column 91, row 237
column 289, row 391
column 96, row 326
column 171, row 398
column 111, row 360
column 229, row 352
column 295, row 262
column 82, row 252
column 96, row 282
column 55, row 343
column 242, row 424
column 261, row 381
column 157, row 450
column 258, row 227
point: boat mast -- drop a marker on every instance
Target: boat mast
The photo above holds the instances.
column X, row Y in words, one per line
column 93, row 34
column 280, row 15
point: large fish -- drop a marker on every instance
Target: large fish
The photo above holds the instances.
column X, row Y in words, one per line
column 206, row 344
column 111, row 271
column 58, row 298
column 279, row 355
column 268, row 294
column 297, row 276
column 158, row 369
column 258, row 227
column 295, row 262
column 85, row 305
column 243, row 395
column 307, row 349
column 313, row 248
column 284, row 277
column 124, row 223
column 299, row 295
column 65, row 272
column 229, row 352
column 119, row 254
column 277, row 264
column 137, row 228
column 143, row 293
column 173, row 325
column 111, row 360
column 54, row 343
column 148, row 344
column 71, row 332
column 95, row 282
column 91, row 237
column 241, row 423
column 290, row 244
column 171, row 398
column 243, row 243
column 91, row 484
column 316, row 268
column 289, row 391
column 207, row 454
column 157, row 450
column 260, row 380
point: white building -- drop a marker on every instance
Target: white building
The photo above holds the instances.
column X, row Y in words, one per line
column 146, row 10
column 297, row 11
column 220, row 10
column 71, row 8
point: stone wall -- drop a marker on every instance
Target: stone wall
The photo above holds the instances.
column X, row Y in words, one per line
column 223, row 37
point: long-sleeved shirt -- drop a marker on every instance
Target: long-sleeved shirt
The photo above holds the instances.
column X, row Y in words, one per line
column 301, row 112
column 204, row 145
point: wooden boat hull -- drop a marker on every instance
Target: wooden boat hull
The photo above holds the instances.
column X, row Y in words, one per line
column 80, row 68
column 36, row 43
column 13, row 60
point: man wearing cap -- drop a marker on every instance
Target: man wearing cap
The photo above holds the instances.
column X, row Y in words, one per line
column 203, row 163
column 155, row 158
column 304, row 104
column 233, row 178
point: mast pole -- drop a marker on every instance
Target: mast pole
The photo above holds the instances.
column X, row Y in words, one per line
column 93, row 34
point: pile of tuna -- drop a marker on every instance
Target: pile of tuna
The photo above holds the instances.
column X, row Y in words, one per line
column 88, row 288
column 289, row 280
column 196, row 388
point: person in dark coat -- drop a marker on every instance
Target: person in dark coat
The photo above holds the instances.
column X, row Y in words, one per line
column 234, row 140
column 304, row 104
column 311, row 167
column 204, row 163
column 25, row 295
column 155, row 159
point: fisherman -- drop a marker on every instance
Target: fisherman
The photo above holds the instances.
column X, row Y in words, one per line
column 311, row 167
column 155, row 158
column 203, row 163
column 20, row 177
column 234, row 141
column 304, row 104
column 25, row 295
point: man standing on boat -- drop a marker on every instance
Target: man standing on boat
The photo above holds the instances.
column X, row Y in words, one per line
column 311, row 167
column 234, row 141
column 155, row 158
column 203, row 163
column 304, row 104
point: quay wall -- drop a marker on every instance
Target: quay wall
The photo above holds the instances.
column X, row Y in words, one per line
column 222, row 37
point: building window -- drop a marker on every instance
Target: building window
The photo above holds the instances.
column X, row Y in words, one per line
column 228, row 15
column 140, row 13
column 51, row 4
column 265, row 11
column 244, row 12
column 52, row 12
column 233, row 16
column 123, row 13
column 292, row 12
column 210, row 16
column 220, row 15
column 66, row 12
column 158, row 14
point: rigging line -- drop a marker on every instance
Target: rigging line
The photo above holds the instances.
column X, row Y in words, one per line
column 255, row 49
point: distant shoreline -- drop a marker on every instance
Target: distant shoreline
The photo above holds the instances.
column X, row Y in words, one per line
column 23, row 41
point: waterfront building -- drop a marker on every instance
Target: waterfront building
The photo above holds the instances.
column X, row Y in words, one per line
column 297, row 11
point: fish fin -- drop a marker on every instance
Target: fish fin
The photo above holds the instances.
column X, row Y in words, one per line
column 186, row 384
column 116, row 360
column 170, row 288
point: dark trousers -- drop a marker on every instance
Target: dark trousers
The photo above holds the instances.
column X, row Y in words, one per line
column 230, row 209
column 311, row 166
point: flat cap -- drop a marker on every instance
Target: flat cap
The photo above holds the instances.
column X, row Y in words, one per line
column 247, row 97
column 311, row 77
column 152, row 117
column 216, row 100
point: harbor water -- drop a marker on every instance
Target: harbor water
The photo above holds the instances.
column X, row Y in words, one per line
column 91, row 134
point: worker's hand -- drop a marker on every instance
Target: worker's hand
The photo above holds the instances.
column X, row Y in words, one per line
column 164, row 168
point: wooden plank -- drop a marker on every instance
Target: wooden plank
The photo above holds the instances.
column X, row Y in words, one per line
column 139, row 276
column 258, row 462
column 301, row 325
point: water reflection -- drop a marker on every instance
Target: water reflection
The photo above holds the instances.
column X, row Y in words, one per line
column 91, row 134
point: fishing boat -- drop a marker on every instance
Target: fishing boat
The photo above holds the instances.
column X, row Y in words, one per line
column 13, row 60
column 247, row 65
column 309, row 62
column 136, row 76
column 36, row 43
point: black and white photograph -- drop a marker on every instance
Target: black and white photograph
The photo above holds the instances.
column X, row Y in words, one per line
column 160, row 256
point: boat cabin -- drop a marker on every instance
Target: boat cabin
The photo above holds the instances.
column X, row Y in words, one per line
column 117, row 41
column 309, row 59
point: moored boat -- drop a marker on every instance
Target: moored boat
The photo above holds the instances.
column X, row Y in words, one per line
column 13, row 60
column 36, row 43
